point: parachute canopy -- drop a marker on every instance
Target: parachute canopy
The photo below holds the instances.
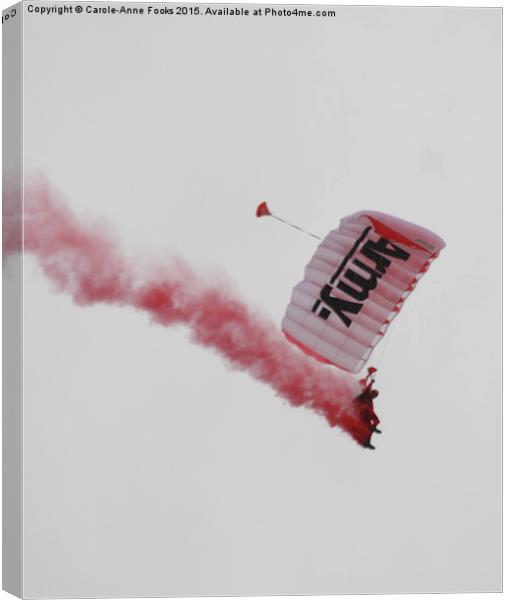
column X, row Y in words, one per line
column 355, row 285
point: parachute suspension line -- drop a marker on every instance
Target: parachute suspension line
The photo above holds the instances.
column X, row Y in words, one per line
column 372, row 371
column 263, row 211
column 385, row 343
column 296, row 227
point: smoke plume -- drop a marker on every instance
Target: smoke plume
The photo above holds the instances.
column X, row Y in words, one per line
column 84, row 261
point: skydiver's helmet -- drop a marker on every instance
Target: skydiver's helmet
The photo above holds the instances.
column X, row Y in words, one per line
column 373, row 394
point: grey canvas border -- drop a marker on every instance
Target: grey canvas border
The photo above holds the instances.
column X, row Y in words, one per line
column 12, row 315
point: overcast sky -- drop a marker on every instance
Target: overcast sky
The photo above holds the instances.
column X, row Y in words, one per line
column 153, row 469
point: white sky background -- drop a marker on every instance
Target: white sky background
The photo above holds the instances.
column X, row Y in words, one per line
column 150, row 467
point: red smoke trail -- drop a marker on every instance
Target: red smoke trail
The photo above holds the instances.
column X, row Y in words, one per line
column 84, row 261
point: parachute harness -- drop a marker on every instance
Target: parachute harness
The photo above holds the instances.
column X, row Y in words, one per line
column 368, row 381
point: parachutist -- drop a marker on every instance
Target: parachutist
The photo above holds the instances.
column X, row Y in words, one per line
column 343, row 293
column 367, row 395
column 366, row 407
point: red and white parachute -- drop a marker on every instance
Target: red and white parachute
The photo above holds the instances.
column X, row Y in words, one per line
column 355, row 284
